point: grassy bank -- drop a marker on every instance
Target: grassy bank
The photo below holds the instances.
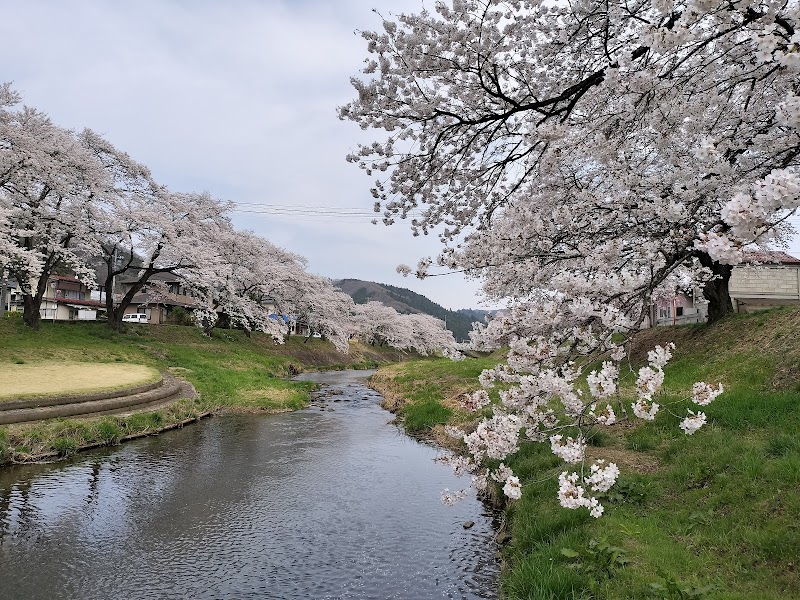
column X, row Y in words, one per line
column 231, row 371
column 714, row 515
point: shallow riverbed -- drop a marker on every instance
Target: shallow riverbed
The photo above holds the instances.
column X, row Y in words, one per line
column 328, row 502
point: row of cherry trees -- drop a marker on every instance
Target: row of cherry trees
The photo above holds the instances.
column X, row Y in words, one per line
column 70, row 199
column 583, row 158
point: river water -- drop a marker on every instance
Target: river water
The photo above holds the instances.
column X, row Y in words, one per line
column 330, row 502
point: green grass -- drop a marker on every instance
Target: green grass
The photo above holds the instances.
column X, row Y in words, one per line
column 231, row 371
column 428, row 392
column 712, row 515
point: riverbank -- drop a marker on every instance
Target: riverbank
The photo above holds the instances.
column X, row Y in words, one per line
column 713, row 515
column 231, row 372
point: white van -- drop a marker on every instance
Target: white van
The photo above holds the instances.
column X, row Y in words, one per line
column 134, row 318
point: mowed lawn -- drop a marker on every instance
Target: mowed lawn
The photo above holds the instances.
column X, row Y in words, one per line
column 70, row 378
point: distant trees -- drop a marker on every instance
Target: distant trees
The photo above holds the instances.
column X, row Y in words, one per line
column 380, row 324
column 69, row 200
column 458, row 322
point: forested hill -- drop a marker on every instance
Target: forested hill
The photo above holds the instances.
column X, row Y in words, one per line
column 405, row 301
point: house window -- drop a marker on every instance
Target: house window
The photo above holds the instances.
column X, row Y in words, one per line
column 678, row 311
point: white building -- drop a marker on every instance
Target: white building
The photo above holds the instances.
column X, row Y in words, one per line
column 767, row 279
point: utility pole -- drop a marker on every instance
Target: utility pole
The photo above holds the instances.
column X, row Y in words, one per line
column 3, row 290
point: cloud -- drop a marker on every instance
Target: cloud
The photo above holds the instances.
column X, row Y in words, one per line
column 238, row 98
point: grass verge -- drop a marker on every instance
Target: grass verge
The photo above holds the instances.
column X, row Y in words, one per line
column 714, row 515
column 231, row 372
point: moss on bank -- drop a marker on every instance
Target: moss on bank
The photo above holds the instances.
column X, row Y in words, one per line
column 713, row 515
column 231, row 372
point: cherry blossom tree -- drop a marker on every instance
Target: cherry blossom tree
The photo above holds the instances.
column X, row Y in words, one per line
column 314, row 301
column 646, row 137
column 429, row 335
column 119, row 220
column 175, row 233
column 380, row 324
column 247, row 281
column 48, row 185
column 581, row 159
column 143, row 229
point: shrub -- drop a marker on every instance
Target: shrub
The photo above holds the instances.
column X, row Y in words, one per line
column 5, row 450
column 65, row 446
column 180, row 316
column 109, row 432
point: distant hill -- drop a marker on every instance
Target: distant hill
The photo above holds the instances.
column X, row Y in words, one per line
column 476, row 314
column 405, row 301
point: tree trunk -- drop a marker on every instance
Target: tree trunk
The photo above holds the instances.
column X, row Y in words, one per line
column 30, row 314
column 115, row 316
column 108, row 287
column 716, row 291
column 3, row 293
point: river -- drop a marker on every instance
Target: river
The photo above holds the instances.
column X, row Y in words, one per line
column 331, row 502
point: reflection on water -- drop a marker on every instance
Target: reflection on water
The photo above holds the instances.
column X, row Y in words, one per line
column 330, row 502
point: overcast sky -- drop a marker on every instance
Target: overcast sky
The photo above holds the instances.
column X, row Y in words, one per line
column 237, row 98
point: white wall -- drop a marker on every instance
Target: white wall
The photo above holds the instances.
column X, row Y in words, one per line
column 765, row 286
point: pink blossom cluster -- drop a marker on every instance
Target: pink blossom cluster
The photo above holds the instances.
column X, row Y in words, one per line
column 512, row 489
column 603, row 384
column 601, row 479
column 603, row 417
column 649, row 382
column 571, row 495
column 502, row 473
column 475, row 401
column 659, row 356
column 693, row 422
column 496, row 437
column 570, row 450
column 703, row 394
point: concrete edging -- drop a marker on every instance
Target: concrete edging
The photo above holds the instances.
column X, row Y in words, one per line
column 61, row 400
column 168, row 386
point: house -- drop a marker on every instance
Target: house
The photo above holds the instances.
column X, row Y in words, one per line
column 159, row 297
column 10, row 295
column 766, row 279
column 65, row 299
column 297, row 326
column 682, row 308
column 68, row 299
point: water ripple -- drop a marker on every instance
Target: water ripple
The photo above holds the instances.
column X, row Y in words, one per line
column 329, row 504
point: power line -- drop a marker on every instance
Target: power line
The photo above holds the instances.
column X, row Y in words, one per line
column 308, row 209
column 308, row 213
